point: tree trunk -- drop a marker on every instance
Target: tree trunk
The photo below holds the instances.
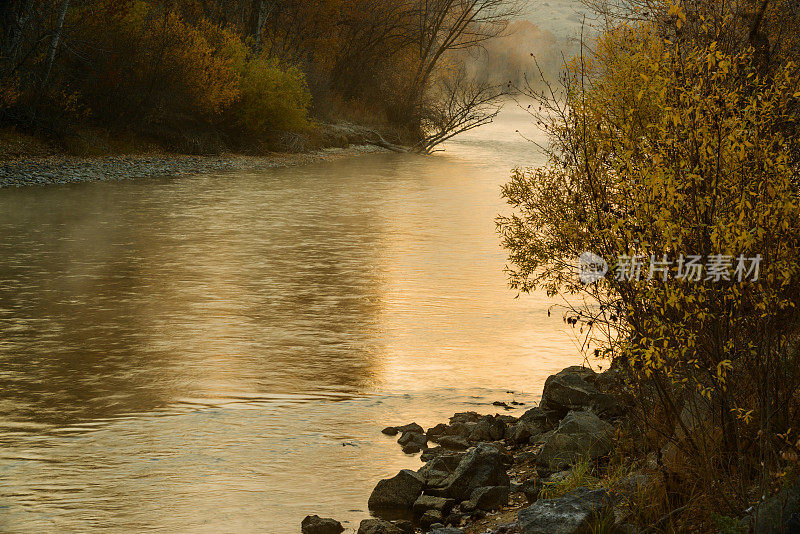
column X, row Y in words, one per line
column 258, row 17
column 51, row 56
column 14, row 18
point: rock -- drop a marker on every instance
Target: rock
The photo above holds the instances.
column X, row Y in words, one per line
column 447, row 530
column 540, row 417
column 522, row 432
column 438, row 469
column 454, row 519
column 525, row 457
column 777, row 514
column 488, row 428
column 579, row 435
column 378, row 526
column 314, row 524
column 429, row 454
column 507, row 419
column 429, row 502
column 411, row 427
column 390, row 431
column 399, row 491
column 465, row 417
column 531, row 489
column 573, row 389
column 412, row 442
column 456, row 429
column 430, row 517
column 574, row 513
column 438, row 430
column 456, row 443
column 490, row 497
column 482, row 466
column 406, row 527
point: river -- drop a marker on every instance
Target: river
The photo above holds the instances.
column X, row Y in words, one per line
column 218, row 353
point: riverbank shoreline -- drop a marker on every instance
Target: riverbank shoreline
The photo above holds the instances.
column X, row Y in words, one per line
column 61, row 170
column 565, row 466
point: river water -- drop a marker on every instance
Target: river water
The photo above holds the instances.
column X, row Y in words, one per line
column 218, row 353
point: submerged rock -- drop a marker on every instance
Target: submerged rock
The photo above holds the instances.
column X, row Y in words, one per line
column 314, row 524
column 579, row 435
column 398, row 492
column 573, row 513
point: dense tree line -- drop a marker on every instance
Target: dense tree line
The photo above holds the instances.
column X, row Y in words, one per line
column 228, row 69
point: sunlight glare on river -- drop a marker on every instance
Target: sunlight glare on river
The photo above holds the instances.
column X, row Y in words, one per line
column 218, row 353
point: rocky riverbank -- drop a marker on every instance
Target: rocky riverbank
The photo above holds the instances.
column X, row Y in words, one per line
column 69, row 169
column 559, row 468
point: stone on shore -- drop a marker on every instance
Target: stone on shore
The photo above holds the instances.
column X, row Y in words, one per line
column 378, row 526
column 580, row 435
column 482, row 466
column 390, row 431
column 574, row 388
column 488, row 428
column 430, row 517
column 436, row 471
column 398, row 492
column 456, row 443
column 314, row 524
column 489, row 498
column 447, row 530
column 412, row 442
column 429, row 502
column 531, row 488
column 573, row 513
column 411, row 427
column 523, row 432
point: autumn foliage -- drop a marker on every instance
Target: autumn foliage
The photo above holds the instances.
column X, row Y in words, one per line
column 669, row 139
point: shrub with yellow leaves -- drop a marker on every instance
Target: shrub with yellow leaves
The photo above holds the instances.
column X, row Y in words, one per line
column 662, row 147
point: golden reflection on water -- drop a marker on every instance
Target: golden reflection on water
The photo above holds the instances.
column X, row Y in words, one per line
column 218, row 353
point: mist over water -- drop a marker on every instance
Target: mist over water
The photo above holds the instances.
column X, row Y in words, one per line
column 219, row 352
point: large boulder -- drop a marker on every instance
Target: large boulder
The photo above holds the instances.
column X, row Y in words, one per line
column 398, row 492
column 314, row 524
column 482, row 466
column 574, row 513
column 580, row 435
column 378, row 526
column 574, row 389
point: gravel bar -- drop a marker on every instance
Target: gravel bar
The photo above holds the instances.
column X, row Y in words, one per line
column 67, row 170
